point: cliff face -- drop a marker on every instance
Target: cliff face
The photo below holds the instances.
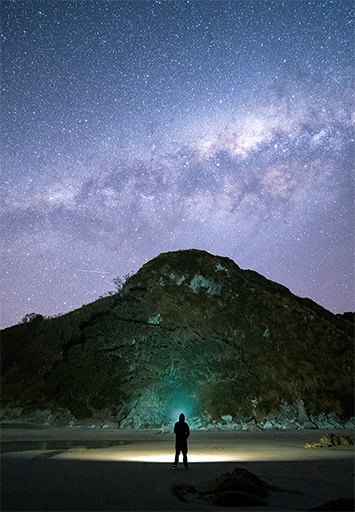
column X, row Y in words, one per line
column 189, row 332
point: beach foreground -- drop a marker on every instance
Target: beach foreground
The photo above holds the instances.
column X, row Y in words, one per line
column 54, row 469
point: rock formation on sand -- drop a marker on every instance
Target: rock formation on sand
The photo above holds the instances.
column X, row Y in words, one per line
column 330, row 440
column 237, row 489
column 188, row 332
column 242, row 489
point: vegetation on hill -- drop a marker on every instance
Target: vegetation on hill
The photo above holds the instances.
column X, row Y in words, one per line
column 188, row 331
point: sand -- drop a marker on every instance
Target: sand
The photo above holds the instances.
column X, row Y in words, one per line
column 110, row 469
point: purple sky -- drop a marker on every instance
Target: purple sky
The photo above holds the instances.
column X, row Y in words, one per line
column 131, row 128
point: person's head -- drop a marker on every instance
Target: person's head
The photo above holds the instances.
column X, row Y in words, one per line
column 182, row 417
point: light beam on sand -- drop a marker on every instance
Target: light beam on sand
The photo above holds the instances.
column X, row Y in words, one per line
column 169, row 458
column 162, row 454
column 212, row 450
column 123, row 454
column 165, row 458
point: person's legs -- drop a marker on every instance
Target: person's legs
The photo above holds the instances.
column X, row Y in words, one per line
column 184, row 454
column 177, row 453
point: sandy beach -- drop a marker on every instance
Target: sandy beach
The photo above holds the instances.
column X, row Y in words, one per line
column 68, row 469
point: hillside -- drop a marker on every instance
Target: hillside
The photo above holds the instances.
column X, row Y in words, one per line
column 193, row 332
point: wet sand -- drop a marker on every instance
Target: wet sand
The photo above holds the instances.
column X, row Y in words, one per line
column 104, row 470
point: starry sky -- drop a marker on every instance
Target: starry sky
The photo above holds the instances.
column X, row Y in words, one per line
column 135, row 127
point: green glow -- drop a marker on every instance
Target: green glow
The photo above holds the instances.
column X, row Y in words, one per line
column 184, row 401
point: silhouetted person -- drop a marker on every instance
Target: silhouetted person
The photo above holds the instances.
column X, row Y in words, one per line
column 182, row 432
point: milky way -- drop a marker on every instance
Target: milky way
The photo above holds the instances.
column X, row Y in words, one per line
column 131, row 128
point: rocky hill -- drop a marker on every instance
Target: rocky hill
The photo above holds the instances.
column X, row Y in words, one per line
column 188, row 332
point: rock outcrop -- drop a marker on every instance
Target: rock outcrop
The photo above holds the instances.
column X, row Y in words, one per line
column 188, row 332
column 237, row 489
column 331, row 440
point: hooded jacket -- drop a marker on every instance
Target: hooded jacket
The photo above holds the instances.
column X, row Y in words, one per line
column 181, row 430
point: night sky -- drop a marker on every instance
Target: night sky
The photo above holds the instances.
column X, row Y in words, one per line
column 131, row 128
